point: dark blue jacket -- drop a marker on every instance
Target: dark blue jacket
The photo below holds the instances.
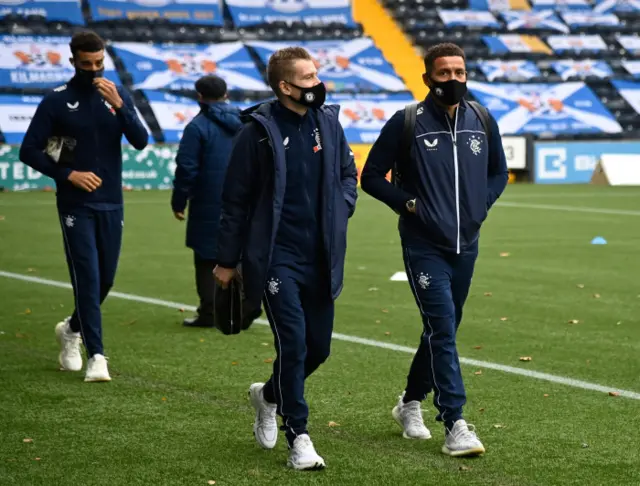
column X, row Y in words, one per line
column 201, row 166
column 254, row 194
column 452, row 174
column 72, row 110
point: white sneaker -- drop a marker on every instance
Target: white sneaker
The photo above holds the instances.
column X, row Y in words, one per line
column 265, row 427
column 462, row 441
column 70, row 358
column 97, row 369
column 303, row 456
column 409, row 417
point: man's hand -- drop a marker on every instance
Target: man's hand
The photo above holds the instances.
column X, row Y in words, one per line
column 224, row 275
column 109, row 92
column 179, row 215
column 86, row 181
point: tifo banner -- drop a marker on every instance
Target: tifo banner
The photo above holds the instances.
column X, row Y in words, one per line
column 179, row 11
column 356, row 65
column 540, row 20
column 40, row 62
column 630, row 91
column 576, row 43
column 588, row 19
column 632, row 67
column 311, row 12
column 566, row 108
column 51, row 10
column 574, row 162
column 499, row 5
column 363, row 117
column 468, row 18
column 178, row 67
column 511, row 70
column 617, row 6
column 16, row 112
column 561, row 4
column 501, row 44
column 151, row 168
column 631, row 43
column 582, row 69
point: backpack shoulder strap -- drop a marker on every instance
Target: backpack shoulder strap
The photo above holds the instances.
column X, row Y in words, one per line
column 410, row 113
column 483, row 114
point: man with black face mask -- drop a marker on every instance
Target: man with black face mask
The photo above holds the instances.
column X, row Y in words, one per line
column 453, row 175
column 75, row 137
column 289, row 192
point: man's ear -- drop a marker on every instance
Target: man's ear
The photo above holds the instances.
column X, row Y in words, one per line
column 425, row 80
column 72, row 62
column 284, row 88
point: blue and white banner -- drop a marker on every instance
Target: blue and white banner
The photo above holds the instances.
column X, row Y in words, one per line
column 511, row 70
column 355, row 65
column 566, row 108
column 542, row 20
column 574, row 162
column 582, row 69
column 632, row 67
column 468, row 18
column 603, row 6
column 180, row 11
column 501, row 44
column 499, row 5
column 631, row 43
column 363, row 117
column 40, row 62
column 561, row 5
column 173, row 113
column 588, row 19
column 178, row 67
column 52, row 10
column 310, row 12
column 576, row 43
column 630, row 91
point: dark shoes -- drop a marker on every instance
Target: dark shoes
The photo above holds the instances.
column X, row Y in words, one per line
column 198, row 321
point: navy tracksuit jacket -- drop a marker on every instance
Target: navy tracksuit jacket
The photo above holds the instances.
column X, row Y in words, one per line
column 91, row 221
column 289, row 192
column 456, row 175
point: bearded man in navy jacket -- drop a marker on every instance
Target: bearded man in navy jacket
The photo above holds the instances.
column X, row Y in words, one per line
column 289, row 192
column 75, row 137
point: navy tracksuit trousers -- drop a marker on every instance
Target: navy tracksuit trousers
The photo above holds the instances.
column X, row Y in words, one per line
column 440, row 283
column 92, row 241
column 300, row 310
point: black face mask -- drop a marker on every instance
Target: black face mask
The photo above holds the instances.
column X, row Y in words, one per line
column 313, row 97
column 449, row 92
column 86, row 77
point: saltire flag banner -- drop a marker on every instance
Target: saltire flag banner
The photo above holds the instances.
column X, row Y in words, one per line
column 576, row 43
column 588, row 19
column 363, row 117
column 52, row 10
column 499, row 5
column 16, row 112
column 355, row 65
column 604, row 6
column 564, row 108
column 543, row 19
column 632, row 67
column 561, row 5
column 630, row 91
column 173, row 113
column 311, row 12
column 206, row 12
column 502, row 44
column 631, row 43
column 568, row 69
column 179, row 66
column 40, row 62
column 468, row 18
column 511, row 70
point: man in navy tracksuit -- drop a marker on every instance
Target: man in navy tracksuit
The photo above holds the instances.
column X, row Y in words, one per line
column 75, row 137
column 289, row 192
column 201, row 167
column 452, row 179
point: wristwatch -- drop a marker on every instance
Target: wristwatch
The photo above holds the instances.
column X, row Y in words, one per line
column 411, row 205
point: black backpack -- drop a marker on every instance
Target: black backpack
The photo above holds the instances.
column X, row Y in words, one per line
column 410, row 114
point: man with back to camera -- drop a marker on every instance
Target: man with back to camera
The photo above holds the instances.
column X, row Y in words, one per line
column 75, row 137
column 454, row 175
column 201, row 167
column 290, row 189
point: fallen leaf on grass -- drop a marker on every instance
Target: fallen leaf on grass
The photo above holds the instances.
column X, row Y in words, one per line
column 31, row 270
column 499, row 426
column 477, row 347
column 378, row 321
column 201, row 340
column 334, row 424
column 387, row 333
column 465, row 468
column 37, row 458
column 526, row 358
column 596, row 296
column 385, row 311
column 373, row 289
column 574, row 321
column 488, row 294
column 614, row 394
column 618, row 323
column 504, row 319
column 27, row 311
column 27, row 441
column 233, row 363
column 164, row 399
column 180, row 309
column 1, row 218
column 585, row 445
column 481, row 410
column 362, row 268
column 264, row 344
column 211, row 481
column 546, row 395
column 580, row 286
column 478, row 373
column 19, row 335
column 268, row 360
column 505, row 254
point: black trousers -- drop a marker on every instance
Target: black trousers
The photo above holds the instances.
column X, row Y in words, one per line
column 205, row 283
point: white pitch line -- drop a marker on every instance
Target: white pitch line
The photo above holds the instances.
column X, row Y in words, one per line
column 584, row 385
column 571, row 209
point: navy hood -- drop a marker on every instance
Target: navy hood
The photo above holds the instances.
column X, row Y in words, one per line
column 224, row 114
